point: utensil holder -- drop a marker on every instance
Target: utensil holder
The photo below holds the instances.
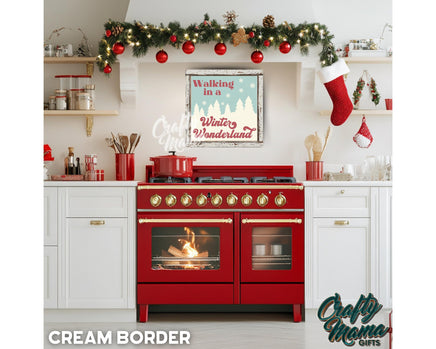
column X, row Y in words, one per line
column 314, row 170
column 125, row 167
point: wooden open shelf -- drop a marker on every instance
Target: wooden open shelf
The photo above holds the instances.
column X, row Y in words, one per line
column 360, row 112
column 89, row 114
column 364, row 60
column 88, row 61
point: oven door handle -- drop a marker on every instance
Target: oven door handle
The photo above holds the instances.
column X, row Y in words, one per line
column 185, row 220
column 289, row 220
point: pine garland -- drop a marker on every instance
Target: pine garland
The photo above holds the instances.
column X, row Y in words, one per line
column 375, row 95
column 141, row 37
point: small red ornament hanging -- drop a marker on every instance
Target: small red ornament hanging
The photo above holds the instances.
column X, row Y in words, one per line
column 285, row 47
column 251, row 34
column 220, row 48
column 161, row 56
column 118, row 48
column 107, row 69
column 257, row 57
column 188, row 47
column 266, row 43
column 173, row 38
column 108, row 33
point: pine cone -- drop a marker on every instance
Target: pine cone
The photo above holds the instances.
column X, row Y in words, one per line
column 268, row 22
column 117, row 30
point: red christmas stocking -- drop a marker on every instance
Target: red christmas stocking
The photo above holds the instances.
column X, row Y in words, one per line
column 333, row 80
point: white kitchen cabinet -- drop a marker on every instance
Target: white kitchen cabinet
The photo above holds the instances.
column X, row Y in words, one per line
column 50, row 217
column 90, row 254
column 94, row 270
column 50, row 277
column 347, row 241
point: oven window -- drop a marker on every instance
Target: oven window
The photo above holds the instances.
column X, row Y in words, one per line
column 185, row 248
column 272, row 248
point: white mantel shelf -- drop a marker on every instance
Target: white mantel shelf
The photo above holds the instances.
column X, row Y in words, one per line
column 347, row 183
column 360, row 112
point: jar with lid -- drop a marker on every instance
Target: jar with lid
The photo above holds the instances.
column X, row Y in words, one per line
column 65, row 82
column 52, row 103
column 90, row 89
column 82, row 101
column 82, row 80
column 61, row 102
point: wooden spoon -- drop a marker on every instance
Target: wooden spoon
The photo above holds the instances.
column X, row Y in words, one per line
column 326, row 138
column 136, row 143
column 117, row 145
column 132, row 141
column 308, row 143
column 110, row 143
column 317, row 148
column 125, row 143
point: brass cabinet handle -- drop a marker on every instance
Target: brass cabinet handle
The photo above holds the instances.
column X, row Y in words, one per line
column 342, row 222
column 97, row 222
column 184, row 220
column 248, row 220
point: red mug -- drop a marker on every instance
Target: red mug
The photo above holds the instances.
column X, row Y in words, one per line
column 125, row 167
column 388, row 102
column 314, row 170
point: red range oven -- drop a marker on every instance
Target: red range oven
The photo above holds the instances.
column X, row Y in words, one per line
column 227, row 235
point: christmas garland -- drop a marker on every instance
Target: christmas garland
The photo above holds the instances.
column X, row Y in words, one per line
column 357, row 94
column 141, row 37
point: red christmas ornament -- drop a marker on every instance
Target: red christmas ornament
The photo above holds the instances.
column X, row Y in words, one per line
column 285, row 47
column 257, row 57
column 161, row 56
column 107, row 69
column 173, row 38
column 118, row 48
column 251, row 34
column 266, row 43
column 188, row 47
column 363, row 137
column 108, row 33
column 220, row 48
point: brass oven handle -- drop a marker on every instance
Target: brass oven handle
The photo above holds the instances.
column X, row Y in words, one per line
column 343, row 222
column 97, row 222
column 184, row 220
column 291, row 220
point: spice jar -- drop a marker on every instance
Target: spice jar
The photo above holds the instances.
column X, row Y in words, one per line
column 82, row 101
column 61, row 102
column 90, row 89
column 52, row 103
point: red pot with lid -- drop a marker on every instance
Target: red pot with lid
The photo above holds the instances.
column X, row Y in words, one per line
column 173, row 165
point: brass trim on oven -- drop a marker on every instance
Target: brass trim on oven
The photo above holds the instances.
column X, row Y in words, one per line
column 224, row 186
column 291, row 220
column 185, row 220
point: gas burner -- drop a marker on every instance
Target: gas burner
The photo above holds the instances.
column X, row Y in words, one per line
column 170, row 180
column 273, row 180
column 223, row 179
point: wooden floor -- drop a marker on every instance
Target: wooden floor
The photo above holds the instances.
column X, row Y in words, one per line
column 228, row 330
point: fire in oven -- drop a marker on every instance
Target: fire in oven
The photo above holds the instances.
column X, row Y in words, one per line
column 185, row 248
column 215, row 241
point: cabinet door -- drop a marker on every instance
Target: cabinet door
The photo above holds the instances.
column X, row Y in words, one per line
column 94, row 263
column 50, row 277
column 50, row 216
column 341, row 258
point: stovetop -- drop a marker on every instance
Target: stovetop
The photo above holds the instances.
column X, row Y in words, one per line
column 223, row 179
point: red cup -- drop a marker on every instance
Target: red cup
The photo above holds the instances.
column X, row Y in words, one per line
column 314, row 170
column 388, row 102
column 125, row 167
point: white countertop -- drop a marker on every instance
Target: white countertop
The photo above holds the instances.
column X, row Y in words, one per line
column 90, row 183
column 347, row 183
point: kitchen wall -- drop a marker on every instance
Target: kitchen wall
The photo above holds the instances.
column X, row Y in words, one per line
column 161, row 90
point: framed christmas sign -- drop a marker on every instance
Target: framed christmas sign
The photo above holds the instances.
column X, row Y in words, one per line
column 225, row 108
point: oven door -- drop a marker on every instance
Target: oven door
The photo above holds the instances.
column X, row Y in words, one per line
column 185, row 247
column 272, row 247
